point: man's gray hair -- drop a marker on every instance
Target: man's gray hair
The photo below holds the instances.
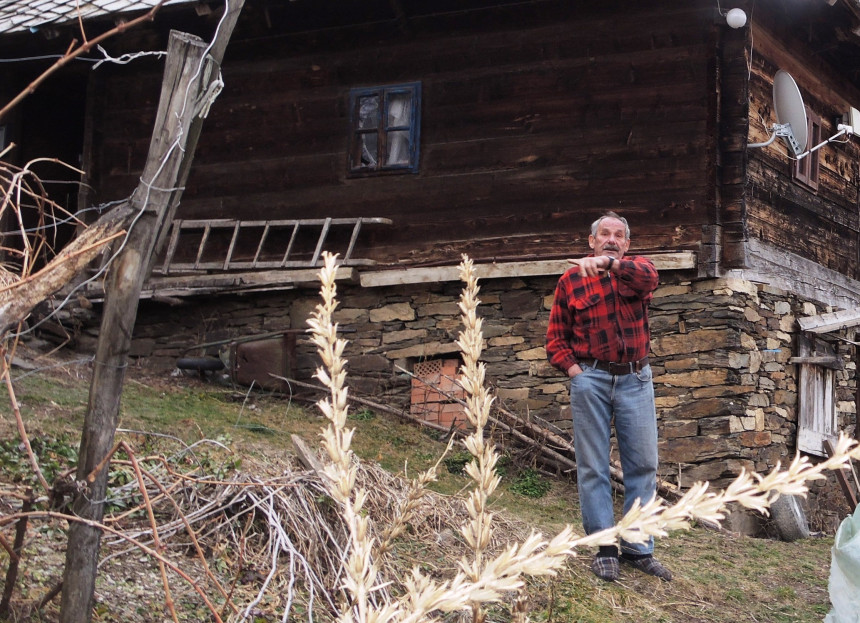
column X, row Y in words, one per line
column 606, row 215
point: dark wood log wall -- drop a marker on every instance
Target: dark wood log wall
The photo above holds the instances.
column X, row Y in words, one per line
column 536, row 118
column 724, row 241
column 822, row 225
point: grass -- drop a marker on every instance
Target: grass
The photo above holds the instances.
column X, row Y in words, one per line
column 719, row 578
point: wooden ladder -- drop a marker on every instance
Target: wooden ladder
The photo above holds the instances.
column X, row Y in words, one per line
column 206, row 227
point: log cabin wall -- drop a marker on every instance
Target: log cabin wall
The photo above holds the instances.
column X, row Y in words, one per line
column 536, row 118
column 807, row 237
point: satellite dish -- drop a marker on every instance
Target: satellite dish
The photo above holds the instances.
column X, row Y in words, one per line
column 788, row 104
column 790, row 114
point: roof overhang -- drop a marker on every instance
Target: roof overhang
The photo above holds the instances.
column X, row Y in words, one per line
column 33, row 15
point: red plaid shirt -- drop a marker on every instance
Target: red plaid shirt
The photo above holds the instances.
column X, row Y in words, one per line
column 603, row 317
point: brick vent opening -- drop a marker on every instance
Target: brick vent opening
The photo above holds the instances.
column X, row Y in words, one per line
column 435, row 392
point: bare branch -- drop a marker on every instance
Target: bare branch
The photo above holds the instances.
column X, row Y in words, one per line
column 72, row 54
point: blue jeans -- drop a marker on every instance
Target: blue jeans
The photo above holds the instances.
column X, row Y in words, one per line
column 596, row 397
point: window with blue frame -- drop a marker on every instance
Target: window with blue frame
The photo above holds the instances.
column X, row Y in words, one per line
column 384, row 124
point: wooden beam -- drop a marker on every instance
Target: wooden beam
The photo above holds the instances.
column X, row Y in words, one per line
column 222, row 283
column 798, row 275
column 831, row 321
column 834, row 363
column 664, row 261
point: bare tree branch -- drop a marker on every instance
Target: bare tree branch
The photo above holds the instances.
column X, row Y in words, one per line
column 18, row 299
column 72, row 53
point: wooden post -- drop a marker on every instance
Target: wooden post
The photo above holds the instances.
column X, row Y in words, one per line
column 189, row 71
column 842, row 479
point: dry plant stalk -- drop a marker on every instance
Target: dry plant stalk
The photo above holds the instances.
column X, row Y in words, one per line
column 483, row 580
column 482, row 468
column 341, row 471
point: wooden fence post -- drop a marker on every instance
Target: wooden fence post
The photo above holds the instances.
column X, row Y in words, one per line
column 190, row 68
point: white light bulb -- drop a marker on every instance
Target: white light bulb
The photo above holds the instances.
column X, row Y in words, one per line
column 736, row 18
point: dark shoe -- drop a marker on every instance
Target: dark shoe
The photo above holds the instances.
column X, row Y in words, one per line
column 605, row 567
column 649, row 565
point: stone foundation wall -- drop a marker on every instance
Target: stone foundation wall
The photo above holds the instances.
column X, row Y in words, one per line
column 726, row 389
column 727, row 393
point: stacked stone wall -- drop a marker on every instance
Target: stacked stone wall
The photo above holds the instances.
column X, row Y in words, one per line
column 727, row 392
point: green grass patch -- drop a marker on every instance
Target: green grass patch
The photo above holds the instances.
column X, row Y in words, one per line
column 531, row 484
column 719, row 578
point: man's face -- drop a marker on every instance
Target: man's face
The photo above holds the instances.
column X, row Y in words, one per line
column 611, row 239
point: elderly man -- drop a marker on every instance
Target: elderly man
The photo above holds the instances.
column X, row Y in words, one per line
column 598, row 336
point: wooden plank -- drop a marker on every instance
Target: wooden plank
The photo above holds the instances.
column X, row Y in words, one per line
column 830, row 321
column 834, row 363
column 668, row 261
column 309, row 458
column 195, row 285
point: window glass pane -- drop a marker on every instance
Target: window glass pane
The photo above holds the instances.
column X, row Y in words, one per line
column 368, row 112
column 398, row 147
column 399, row 109
column 368, row 150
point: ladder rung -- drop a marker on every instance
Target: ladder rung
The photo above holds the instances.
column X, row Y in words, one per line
column 232, row 245
column 171, row 246
column 263, row 237
column 290, row 244
column 203, row 240
column 320, row 242
column 352, row 240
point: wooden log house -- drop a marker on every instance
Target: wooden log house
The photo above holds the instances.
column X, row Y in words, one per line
column 403, row 134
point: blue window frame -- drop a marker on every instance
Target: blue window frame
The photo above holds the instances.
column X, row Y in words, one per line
column 384, row 129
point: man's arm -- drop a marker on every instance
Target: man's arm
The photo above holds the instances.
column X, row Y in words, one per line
column 559, row 331
column 637, row 273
